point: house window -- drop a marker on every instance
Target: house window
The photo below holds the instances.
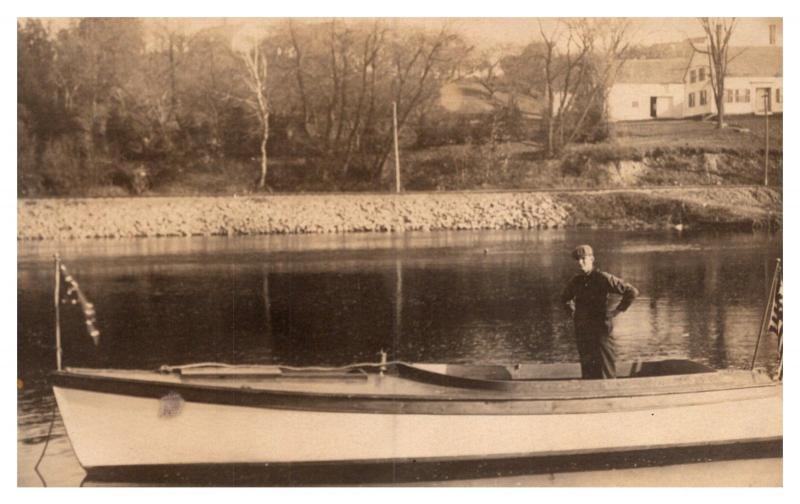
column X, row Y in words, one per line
column 701, row 74
column 747, row 95
column 692, row 76
column 703, row 97
column 729, row 96
column 777, row 95
column 691, row 99
column 635, row 104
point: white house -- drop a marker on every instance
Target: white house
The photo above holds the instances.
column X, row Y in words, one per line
column 754, row 82
column 681, row 87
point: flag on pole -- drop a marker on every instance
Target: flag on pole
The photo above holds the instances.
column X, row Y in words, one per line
column 776, row 321
column 74, row 295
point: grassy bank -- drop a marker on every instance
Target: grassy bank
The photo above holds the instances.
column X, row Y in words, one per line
column 717, row 208
column 639, row 154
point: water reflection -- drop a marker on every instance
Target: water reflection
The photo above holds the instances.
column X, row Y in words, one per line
column 435, row 297
column 446, row 297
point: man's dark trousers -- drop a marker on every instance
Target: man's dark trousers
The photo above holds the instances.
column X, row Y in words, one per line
column 596, row 348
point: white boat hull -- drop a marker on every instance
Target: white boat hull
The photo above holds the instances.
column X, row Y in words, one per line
column 108, row 429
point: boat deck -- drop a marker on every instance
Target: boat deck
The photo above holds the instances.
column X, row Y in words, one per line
column 443, row 381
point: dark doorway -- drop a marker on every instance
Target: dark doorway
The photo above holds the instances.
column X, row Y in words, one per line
column 763, row 100
column 653, row 108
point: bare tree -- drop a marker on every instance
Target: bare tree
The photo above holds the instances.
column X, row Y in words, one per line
column 564, row 70
column 212, row 76
column 488, row 71
column 417, row 75
column 609, row 41
column 574, row 66
column 566, row 60
column 341, row 78
column 160, row 91
column 333, row 69
column 718, row 34
column 173, row 44
column 255, row 62
column 372, row 45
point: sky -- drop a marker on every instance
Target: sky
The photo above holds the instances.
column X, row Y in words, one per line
column 749, row 31
column 486, row 32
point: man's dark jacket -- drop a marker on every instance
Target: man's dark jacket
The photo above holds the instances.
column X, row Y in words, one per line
column 586, row 298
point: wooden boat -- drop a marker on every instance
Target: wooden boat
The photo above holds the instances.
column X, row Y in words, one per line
column 220, row 421
column 213, row 415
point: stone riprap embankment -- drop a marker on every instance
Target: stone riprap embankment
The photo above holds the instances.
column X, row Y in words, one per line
column 65, row 219
column 145, row 217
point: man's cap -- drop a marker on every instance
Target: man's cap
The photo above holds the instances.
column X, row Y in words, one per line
column 582, row 251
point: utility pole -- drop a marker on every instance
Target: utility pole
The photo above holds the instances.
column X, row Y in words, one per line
column 396, row 150
column 766, row 137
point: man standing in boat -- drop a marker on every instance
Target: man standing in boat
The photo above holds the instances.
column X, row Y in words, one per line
column 586, row 300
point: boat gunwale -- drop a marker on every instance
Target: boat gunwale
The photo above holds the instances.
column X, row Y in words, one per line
column 420, row 374
column 495, row 389
column 479, row 402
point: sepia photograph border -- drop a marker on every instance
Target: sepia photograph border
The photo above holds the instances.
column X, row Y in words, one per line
column 346, row 9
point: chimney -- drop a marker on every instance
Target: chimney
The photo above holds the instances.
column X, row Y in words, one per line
column 773, row 30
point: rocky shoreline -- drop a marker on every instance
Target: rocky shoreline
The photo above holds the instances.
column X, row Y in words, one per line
column 716, row 207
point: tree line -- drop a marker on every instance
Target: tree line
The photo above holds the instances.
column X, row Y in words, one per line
column 100, row 97
column 107, row 91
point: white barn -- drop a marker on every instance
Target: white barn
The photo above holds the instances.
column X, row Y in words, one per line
column 648, row 89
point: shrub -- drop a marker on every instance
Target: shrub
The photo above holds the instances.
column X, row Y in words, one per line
column 62, row 168
column 133, row 178
column 452, row 129
column 478, row 166
column 106, row 192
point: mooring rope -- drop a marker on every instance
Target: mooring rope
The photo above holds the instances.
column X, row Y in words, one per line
column 342, row 368
column 169, row 369
column 46, row 442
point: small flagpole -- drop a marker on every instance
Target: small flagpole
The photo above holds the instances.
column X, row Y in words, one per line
column 56, row 300
column 765, row 320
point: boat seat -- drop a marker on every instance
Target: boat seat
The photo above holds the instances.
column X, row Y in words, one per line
column 566, row 371
column 667, row 367
column 479, row 372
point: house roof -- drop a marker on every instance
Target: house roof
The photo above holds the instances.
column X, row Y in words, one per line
column 752, row 61
column 764, row 61
column 652, row 71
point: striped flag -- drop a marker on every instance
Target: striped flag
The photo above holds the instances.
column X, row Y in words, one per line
column 73, row 295
column 776, row 321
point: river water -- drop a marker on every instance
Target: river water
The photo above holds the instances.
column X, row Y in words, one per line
column 335, row 299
